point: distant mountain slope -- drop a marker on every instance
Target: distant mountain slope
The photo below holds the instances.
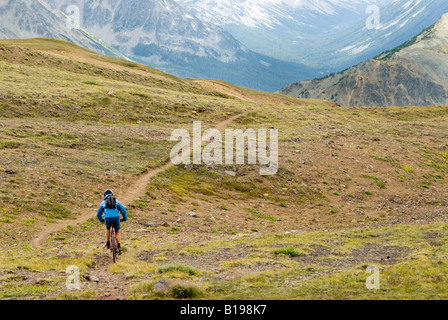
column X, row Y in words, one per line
column 329, row 34
column 162, row 34
column 32, row 19
column 415, row 73
column 399, row 21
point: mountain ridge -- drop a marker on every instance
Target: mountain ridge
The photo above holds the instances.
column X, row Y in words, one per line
column 168, row 34
column 331, row 35
column 160, row 33
column 34, row 19
column 414, row 73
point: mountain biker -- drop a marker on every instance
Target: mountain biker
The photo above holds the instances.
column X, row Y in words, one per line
column 111, row 209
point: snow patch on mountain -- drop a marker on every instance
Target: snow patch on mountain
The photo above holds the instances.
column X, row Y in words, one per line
column 269, row 13
column 266, row 64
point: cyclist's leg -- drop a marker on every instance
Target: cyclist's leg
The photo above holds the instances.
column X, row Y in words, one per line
column 108, row 232
column 117, row 232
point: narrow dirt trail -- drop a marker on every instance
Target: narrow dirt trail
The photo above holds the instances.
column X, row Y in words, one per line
column 113, row 286
column 133, row 192
column 136, row 190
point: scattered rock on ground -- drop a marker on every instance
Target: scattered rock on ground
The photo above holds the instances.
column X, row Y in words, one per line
column 91, row 278
column 193, row 215
column 148, row 224
column 161, row 286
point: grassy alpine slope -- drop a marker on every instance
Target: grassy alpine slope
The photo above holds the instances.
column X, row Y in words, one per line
column 356, row 187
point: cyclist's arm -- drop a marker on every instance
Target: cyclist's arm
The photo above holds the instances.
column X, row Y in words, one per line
column 123, row 211
column 100, row 212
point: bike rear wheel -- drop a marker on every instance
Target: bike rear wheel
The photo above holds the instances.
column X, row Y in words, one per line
column 114, row 244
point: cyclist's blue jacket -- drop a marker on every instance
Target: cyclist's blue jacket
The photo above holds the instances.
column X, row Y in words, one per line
column 111, row 213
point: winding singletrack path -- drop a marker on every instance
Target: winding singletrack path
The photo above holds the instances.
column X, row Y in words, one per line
column 136, row 190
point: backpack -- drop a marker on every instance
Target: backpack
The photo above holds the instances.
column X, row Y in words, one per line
column 111, row 202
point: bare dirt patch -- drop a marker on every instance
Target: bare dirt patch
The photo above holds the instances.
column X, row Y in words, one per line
column 370, row 253
column 432, row 238
column 211, row 260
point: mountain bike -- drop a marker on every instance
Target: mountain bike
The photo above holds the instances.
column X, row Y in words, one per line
column 113, row 243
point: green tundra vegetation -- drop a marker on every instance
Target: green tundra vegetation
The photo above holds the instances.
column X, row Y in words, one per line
column 356, row 187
